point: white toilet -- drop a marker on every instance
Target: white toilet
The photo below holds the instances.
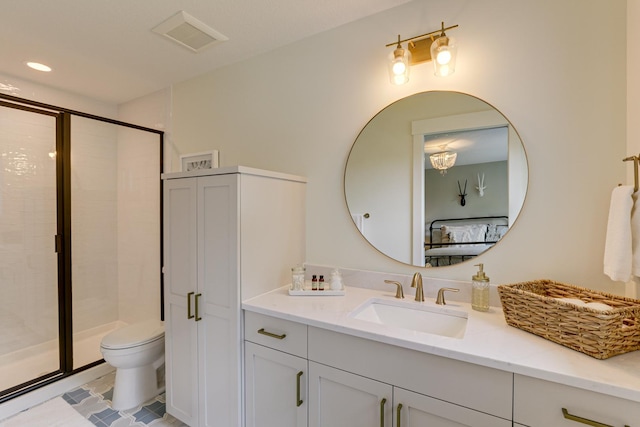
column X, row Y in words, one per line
column 137, row 353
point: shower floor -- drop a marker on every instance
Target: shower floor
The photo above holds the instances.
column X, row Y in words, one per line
column 26, row 364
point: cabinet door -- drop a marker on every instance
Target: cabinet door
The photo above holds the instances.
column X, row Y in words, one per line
column 418, row 410
column 341, row 399
column 219, row 346
column 180, row 285
column 275, row 388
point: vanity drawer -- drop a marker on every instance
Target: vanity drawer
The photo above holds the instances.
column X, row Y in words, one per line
column 539, row 403
column 279, row 334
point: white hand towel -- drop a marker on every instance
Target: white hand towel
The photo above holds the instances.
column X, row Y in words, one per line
column 618, row 248
column 358, row 219
column 635, row 236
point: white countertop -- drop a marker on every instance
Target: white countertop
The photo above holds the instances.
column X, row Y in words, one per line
column 488, row 340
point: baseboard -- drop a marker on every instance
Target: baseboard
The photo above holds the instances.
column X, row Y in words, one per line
column 50, row 391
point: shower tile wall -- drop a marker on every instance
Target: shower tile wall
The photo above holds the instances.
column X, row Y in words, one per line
column 138, row 225
column 116, row 221
column 94, row 217
column 27, row 227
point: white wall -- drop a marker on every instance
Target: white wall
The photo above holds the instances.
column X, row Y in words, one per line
column 139, row 277
column 442, row 192
column 633, row 104
column 633, row 86
column 10, row 85
column 298, row 109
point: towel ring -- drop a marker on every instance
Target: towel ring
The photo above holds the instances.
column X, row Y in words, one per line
column 636, row 160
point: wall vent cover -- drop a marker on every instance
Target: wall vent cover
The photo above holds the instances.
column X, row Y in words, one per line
column 189, row 32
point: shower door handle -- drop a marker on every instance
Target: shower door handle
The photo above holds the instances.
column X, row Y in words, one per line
column 189, row 315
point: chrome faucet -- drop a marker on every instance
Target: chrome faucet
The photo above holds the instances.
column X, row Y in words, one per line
column 416, row 282
column 399, row 291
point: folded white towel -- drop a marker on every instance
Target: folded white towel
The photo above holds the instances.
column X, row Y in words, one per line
column 618, row 248
column 600, row 306
column 574, row 301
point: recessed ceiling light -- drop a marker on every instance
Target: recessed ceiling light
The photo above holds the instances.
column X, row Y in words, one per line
column 38, row 66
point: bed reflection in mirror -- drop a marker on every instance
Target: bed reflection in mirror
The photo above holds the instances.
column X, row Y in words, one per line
column 413, row 212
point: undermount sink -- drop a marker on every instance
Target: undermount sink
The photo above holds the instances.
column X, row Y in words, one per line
column 413, row 316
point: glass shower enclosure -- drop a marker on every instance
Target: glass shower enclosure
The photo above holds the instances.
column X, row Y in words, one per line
column 80, row 238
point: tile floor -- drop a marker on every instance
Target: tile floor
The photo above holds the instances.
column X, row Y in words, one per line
column 93, row 402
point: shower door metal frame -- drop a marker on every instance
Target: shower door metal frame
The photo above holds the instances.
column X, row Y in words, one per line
column 63, row 234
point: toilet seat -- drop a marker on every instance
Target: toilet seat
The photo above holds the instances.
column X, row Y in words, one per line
column 135, row 335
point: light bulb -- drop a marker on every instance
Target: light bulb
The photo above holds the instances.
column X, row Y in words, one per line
column 399, row 67
column 444, row 56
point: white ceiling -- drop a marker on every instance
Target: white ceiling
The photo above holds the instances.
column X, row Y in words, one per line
column 473, row 146
column 105, row 49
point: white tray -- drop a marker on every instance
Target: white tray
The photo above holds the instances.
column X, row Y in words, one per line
column 309, row 292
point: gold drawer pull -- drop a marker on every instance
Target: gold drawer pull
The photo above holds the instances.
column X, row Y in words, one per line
column 198, row 318
column 269, row 334
column 298, row 400
column 586, row 421
column 382, row 403
column 399, row 411
column 189, row 315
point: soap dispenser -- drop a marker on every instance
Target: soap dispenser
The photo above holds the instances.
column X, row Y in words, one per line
column 480, row 290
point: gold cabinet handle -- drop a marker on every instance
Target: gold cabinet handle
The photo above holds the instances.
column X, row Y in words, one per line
column 586, row 421
column 398, row 414
column 382, row 403
column 298, row 400
column 189, row 315
column 198, row 318
column 272, row 335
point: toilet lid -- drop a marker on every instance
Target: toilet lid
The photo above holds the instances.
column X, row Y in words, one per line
column 134, row 335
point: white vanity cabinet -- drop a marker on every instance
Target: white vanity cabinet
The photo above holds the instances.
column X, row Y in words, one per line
column 447, row 390
column 356, row 382
column 539, row 403
column 229, row 234
column 276, row 373
column 343, row 399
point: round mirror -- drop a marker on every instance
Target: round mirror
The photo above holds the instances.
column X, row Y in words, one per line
column 436, row 178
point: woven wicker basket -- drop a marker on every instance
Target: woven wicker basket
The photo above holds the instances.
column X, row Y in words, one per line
column 533, row 307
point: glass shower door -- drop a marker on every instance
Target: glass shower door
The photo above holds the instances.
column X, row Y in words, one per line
column 29, row 336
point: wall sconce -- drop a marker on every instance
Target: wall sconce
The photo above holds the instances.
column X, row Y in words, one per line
column 436, row 46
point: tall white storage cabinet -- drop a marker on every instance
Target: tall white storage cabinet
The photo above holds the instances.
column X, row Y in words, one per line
column 229, row 234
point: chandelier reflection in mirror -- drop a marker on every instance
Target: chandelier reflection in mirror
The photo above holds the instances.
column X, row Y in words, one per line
column 435, row 46
column 443, row 160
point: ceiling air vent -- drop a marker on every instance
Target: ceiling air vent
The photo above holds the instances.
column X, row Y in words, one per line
column 187, row 31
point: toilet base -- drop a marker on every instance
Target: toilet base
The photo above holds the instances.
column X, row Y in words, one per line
column 135, row 386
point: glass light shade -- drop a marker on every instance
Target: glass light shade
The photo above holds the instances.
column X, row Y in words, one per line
column 399, row 66
column 443, row 52
column 443, row 160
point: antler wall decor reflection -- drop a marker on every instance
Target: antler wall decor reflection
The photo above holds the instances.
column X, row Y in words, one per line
column 463, row 194
column 481, row 187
